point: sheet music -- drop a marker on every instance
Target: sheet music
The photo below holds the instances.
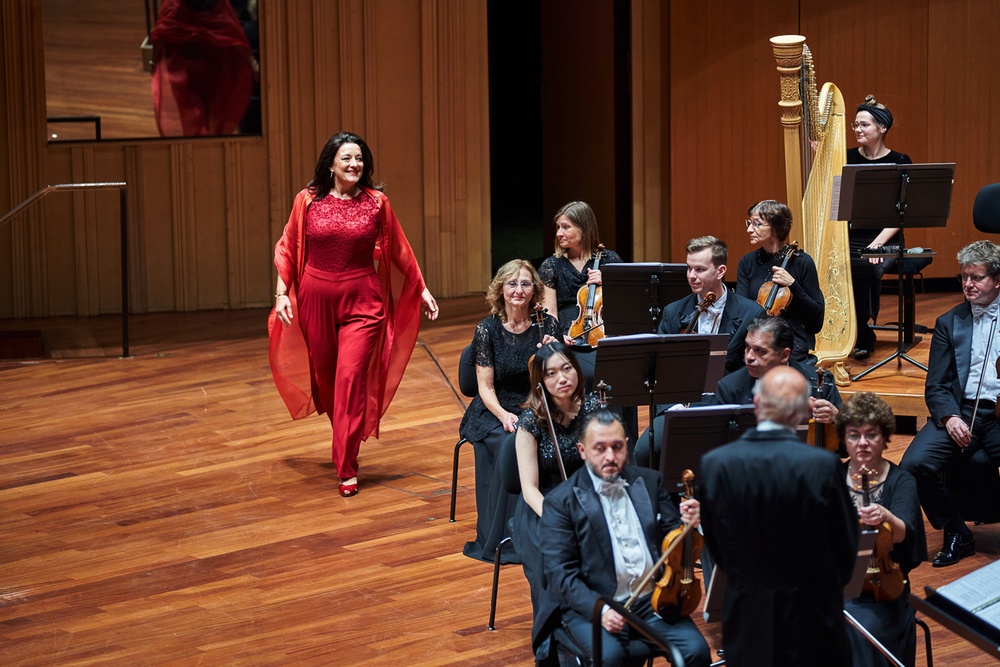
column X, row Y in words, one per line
column 978, row 592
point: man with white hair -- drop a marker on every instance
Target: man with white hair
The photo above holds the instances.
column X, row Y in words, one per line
column 778, row 521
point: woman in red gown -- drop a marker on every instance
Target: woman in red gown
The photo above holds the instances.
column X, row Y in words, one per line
column 348, row 301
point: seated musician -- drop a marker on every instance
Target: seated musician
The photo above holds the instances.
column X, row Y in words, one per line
column 761, row 495
column 768, row 226
column 961, row 359
column 865, row 424
column 768, row 345
column 730, row 314
column 601, row 533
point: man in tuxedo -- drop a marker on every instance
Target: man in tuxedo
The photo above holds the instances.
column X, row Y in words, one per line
column 601, row 534
column 961, row 358
column 778, row 521
column 730, row 314
column 769, row 344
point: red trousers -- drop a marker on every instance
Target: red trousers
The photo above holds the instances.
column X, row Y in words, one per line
column 341, row 315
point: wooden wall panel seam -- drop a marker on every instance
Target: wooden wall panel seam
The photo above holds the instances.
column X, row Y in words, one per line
column 135, row 224
column 236, row 260
column 370, row 89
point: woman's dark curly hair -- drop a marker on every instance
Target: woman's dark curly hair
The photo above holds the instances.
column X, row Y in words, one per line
column 322, row 181
column 862, row 409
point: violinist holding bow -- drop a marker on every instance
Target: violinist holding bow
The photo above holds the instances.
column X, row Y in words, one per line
column 865, row 424
column 602, row 530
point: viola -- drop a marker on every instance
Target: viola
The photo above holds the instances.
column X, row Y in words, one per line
column 588, row 327
column 884, row 579
column 679, row 586
column 699, row 309
column 775, row 298
column 822, row 435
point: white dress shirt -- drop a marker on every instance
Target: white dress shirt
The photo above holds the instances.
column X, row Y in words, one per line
column 984, row 320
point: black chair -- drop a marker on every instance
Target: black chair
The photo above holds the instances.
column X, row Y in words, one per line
column 912, row 266
column 511, row 480
column 469, row 386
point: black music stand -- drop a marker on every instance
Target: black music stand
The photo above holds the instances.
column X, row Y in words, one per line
column 959, row 620
column 696, row 431
column 636, row 294
column 874, row 196
column 688, row 365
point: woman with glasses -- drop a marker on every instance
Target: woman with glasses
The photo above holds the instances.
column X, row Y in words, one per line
column 501, row 347
column 768, row 227
column 865, row 423
column 572, row 265
column 870, row 125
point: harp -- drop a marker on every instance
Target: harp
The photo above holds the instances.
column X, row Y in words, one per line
column 810, row 120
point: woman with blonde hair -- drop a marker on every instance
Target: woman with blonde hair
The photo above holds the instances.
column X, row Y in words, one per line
column 502, row 345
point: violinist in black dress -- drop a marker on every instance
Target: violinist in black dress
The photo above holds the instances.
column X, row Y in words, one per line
column 865, row 425
column 768, row 225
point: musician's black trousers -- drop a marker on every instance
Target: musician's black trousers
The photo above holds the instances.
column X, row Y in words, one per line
column 933, row 450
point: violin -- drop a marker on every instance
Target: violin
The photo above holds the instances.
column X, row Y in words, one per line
column 588, row 328
column 602, row 394
column 775, row 298
column 701, row 308
column 678, row 586
column 822, row 435
column 884, row 579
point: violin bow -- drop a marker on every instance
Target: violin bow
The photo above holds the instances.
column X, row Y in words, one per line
column 982, row 373
column 552, row 433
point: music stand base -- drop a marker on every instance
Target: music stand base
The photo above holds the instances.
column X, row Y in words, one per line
column 900, row 355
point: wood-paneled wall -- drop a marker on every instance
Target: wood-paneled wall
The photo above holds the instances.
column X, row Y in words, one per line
column 408, row 75
column 933, row 62
column 411, row 76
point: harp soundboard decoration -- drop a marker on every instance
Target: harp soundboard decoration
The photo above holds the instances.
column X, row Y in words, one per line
column 815, row 153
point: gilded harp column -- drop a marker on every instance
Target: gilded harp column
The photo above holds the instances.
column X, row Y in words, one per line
column 788, row 54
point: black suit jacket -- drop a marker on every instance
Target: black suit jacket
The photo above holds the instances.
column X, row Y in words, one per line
column 736, row 317
column 737, row 388
column 778, row 520
column 576, row 542
column 949, row 361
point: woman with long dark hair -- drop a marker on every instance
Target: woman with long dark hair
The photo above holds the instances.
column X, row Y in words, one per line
column 348, row 300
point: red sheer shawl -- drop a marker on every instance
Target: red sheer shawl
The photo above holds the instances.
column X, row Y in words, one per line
column 202, row 78
column 401, row 283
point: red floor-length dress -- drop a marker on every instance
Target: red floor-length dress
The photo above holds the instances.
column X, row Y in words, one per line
column 355, row 320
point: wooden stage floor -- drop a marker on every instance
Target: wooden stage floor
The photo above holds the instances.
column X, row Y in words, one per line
column 164, row 510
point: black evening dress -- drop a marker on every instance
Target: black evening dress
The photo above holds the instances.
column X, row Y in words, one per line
column 893, row 622
column 507, row 354
column 867, row 277
column 526, row 522
column 807, row 308
column 559, row 274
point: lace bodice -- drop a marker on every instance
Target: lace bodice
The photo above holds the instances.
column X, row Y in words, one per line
column 558, row 273
column 341, row 233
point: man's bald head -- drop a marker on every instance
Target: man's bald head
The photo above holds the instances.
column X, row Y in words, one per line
column 782, row 396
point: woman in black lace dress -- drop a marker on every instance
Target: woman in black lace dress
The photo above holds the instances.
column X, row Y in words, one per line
column 556, row 367
column 768, row 226
column 864, row 424
column 572, row 265
column 502, row 345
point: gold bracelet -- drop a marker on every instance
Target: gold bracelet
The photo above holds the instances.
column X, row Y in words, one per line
column 280, row 294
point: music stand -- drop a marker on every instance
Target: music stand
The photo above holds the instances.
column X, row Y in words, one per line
column 875, row 196
column 696, row 431
column 636, row 294
column 634, row 366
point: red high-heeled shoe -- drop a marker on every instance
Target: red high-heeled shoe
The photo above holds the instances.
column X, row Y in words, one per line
column 348, row 490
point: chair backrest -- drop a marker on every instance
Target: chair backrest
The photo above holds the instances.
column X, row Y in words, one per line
column 467, row 382
column 510, row 477
column 986, row 209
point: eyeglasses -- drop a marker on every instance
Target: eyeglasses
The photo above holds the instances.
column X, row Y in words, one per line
column 974, row 278
column 513, row 285
column 757, row 224
column 860, row 126
column 854, row 437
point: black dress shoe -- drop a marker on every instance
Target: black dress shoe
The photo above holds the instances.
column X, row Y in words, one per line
column 954, row 550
